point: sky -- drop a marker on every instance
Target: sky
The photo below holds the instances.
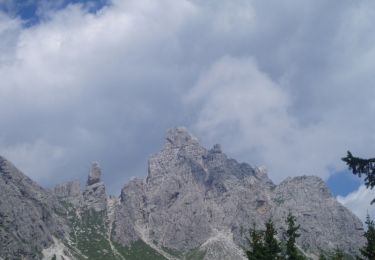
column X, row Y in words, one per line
column 285, row 84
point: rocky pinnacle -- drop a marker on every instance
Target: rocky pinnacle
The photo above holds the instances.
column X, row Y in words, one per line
column 94, row 174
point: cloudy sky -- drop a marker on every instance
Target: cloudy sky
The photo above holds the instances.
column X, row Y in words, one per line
column 287, row 84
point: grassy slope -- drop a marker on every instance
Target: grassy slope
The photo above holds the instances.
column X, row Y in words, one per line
column 89, row 239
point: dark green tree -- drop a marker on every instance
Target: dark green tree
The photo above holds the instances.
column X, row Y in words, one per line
column 365, row 167
column 368, row 251
column 322, row 256
column 338, row 254
column 271, row 244
column 292, row 252
column 256, row 250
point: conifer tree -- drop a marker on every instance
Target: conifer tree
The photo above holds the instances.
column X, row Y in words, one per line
column 271, row 245
column 322, row 257
column 256, row 250
column 292, row 234
column 368, row 251
column 361, row 167
column 338, row 255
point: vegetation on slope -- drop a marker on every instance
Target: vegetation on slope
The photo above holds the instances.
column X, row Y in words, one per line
column 89, row 239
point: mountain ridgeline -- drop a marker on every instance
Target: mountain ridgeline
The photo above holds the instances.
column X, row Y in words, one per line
column 194, row 203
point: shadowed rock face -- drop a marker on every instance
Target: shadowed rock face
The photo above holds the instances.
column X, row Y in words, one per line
column 194, row 200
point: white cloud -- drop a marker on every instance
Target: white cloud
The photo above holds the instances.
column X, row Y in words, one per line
column 92, row 72
column 248, row 112
column 312, row 93
column 277, row 83
column 359, row 202
column 243, row 108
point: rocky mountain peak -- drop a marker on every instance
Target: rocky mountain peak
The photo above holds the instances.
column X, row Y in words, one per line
column 94, row 174
column 94, row 196
column 194, row 201
column 308, row 183
column 180, row 137
column 216, row 149
column 12, row 174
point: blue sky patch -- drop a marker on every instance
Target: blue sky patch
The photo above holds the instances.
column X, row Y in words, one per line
column 31, row 11
column 342, row 183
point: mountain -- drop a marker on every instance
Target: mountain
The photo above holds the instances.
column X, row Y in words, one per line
column 195, row 203
column 29, row 216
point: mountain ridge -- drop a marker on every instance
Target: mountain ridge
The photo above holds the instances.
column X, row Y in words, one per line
column 195, row 203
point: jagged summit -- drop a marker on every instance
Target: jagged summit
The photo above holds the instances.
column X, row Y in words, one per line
column 92, row 197
column 182, row 152
column 216, row 149
column 306, row 183
column 12, row 174
column 194, row 202
column 95, row 174
column 179, row 137
column 192, row 193
column 95, row 196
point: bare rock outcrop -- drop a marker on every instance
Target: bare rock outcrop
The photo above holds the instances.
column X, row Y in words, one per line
column 95, row 196
column 325, row 223
column 29, row 215
column 191, row 193
column 95, row 174
column 70, row 192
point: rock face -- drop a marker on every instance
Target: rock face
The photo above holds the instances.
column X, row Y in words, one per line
column 95, row 174
column 195, row 203
column 94, row 196
column 70, row 191
column 322, row 218
column 28, row 215
column 192, row 195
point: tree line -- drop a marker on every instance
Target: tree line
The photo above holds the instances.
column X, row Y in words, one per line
column 264, row 245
